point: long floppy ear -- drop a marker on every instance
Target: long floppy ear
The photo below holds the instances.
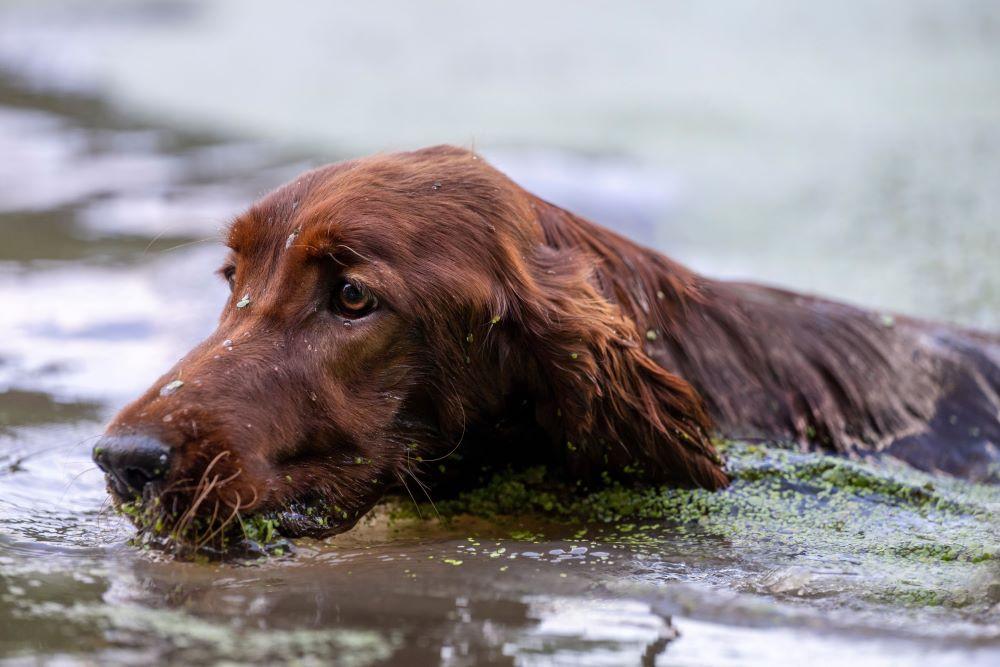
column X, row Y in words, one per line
column 615, row 408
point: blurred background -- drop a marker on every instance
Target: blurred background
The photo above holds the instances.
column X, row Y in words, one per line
column 848, row 148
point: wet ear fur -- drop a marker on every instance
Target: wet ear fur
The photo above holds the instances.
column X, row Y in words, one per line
column 611, row 405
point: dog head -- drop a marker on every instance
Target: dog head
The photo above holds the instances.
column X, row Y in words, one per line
column 379, row 309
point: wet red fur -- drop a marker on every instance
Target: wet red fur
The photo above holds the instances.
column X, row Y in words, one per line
column 509, row 328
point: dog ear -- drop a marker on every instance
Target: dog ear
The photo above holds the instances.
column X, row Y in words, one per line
column 607, row 402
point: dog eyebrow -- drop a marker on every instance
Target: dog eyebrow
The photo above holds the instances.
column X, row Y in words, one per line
column 241, row 232
column 321, row 238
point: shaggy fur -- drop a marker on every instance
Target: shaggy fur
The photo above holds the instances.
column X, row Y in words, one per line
column 511, row 329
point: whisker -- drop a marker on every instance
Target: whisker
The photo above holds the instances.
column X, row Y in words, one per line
column 102, row 511
column 402, row 481
column 423, row 488
column 27, row 456
column 189, row 243
column 230, row 478
column 189, row 515
column 73, row 480
column 347, row 247
column 222, row 527
column 215, row 513
column 152, row 241
column 442, row 458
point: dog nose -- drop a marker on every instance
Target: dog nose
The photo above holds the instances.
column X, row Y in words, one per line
column 131, row 461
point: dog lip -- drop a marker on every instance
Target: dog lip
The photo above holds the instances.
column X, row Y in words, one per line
column 117, row 487
column 294, row 524
column 123, row 493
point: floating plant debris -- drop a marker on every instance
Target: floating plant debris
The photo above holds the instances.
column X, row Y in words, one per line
column 171, row 387
column 914, row 539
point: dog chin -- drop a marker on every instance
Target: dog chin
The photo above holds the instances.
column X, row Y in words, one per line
column 294, row 524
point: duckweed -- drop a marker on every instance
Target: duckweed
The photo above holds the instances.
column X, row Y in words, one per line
column 200, row 538
column 913, row 539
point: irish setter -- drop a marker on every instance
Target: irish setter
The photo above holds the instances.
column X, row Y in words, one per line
column 403, row 318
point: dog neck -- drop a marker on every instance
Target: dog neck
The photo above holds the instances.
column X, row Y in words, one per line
column 766, row 362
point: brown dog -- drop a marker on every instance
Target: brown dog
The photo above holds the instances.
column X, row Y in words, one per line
column 396, row 313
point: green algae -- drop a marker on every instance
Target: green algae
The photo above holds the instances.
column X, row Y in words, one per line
column 862, row 530
column 792, row 524
column 202, row 538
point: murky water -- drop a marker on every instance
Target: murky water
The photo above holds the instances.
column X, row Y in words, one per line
column 109, row 214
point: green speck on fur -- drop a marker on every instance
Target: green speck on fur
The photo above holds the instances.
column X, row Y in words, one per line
column 260, row 529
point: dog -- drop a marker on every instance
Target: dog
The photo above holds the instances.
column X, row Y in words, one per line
column 393, row 315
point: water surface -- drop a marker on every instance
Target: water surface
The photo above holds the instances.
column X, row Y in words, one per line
column 121, row 161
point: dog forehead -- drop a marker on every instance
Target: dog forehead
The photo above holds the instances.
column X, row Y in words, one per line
column 403, row 205
column 267, row 223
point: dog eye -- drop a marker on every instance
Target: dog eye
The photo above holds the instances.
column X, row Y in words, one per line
column 354, row 300
column 229, row 275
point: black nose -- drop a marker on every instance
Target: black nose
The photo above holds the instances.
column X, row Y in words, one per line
column 131, row 461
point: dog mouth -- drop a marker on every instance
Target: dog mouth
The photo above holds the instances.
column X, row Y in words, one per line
column 193, row 530
column 232, row 508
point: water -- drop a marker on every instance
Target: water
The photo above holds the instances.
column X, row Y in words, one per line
column 865, row 169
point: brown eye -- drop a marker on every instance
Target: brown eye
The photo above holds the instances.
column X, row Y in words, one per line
column 354, row 300
column 229, row 274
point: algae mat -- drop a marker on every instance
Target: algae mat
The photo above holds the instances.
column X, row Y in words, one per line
column 849, row 534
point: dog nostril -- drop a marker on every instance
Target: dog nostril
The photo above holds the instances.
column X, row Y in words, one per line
column 131, row 462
